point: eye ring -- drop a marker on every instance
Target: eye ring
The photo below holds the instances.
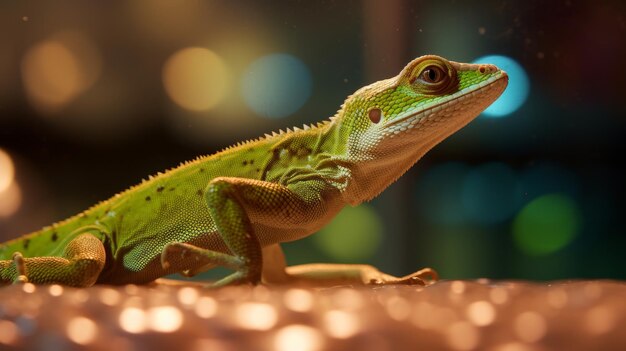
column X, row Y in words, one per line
column 432, row 74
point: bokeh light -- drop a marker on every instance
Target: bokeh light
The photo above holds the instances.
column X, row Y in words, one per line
column 439, row 193
column 547, row 224
column 133, row 320
column 516, row 92
column 298, row 337
column 10, row 200
column 353, row 235
column 164, row 319
column 276, row 85
column 7, row 170
column 82, row 330
column 57, row 70
column 491, row 193
column 543, row 178
column 195, row 78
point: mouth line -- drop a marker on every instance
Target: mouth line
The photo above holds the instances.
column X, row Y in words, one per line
column 453, row 98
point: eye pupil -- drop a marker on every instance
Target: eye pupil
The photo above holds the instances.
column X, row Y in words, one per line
column 432, row 75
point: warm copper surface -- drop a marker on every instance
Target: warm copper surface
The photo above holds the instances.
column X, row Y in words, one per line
column 449, row 315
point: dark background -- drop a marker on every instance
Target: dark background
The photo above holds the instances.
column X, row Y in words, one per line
column 456, row 210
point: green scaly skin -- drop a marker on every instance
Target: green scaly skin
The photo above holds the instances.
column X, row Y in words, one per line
column 234, row 207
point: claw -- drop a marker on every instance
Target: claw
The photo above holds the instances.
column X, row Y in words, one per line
column 20, row 267
column 21, row 279
column 164, row 261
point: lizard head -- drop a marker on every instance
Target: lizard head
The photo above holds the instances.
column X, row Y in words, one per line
column 388, row 125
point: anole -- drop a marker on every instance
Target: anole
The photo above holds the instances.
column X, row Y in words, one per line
column 233, row 208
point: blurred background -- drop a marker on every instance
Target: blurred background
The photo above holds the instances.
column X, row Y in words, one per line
column 95, row 96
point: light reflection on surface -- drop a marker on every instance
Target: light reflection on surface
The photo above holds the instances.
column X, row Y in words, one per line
column 55, row 290
column 462, row 336
column 600, row 320
column 165, row 319
column 109, row 296
column 481, row 313
column 133, row 320
column 435, row 319
column 341, row 324
column 206, row 307
column 530, row 326
column 298, row 337
column 188, row 296
column 82, row 330
column 257, row 316
column 298, row 300
column 398, row 308
column 8, row 332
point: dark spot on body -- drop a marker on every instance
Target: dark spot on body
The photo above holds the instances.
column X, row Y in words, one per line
column 258, row 170
column 245, row 163
column 55, row 236
column 159, row 189
column 172, row 189
column 201, row 170
column 199, row 192
column 375, row 115
column 303, row 151
column 147, row 198
column 26, row 243
column 251, row 162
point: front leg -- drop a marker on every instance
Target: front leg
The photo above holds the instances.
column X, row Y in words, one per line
column 232, row 202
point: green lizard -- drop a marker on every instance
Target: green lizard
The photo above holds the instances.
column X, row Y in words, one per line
column 234, row 208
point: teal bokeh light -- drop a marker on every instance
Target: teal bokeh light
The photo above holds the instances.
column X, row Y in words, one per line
column 516, row 92
column 276, row 85
column 491, row 193
column 439, row 191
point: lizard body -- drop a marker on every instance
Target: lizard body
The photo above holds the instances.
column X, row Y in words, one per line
column 234, row 207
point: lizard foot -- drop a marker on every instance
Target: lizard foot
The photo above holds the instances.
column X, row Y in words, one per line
column 423, row 277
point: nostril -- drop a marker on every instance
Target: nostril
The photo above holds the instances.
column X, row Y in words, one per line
column 481, row 69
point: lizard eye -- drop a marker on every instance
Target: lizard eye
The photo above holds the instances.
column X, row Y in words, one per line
column 432, row 75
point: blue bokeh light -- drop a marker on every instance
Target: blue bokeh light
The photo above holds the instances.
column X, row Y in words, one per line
column 516, row 92
column 544, row 178
column 438, row 193
column 276, row 85
column 491, row 193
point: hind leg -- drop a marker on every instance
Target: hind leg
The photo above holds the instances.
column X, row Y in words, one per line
column 79, row 265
